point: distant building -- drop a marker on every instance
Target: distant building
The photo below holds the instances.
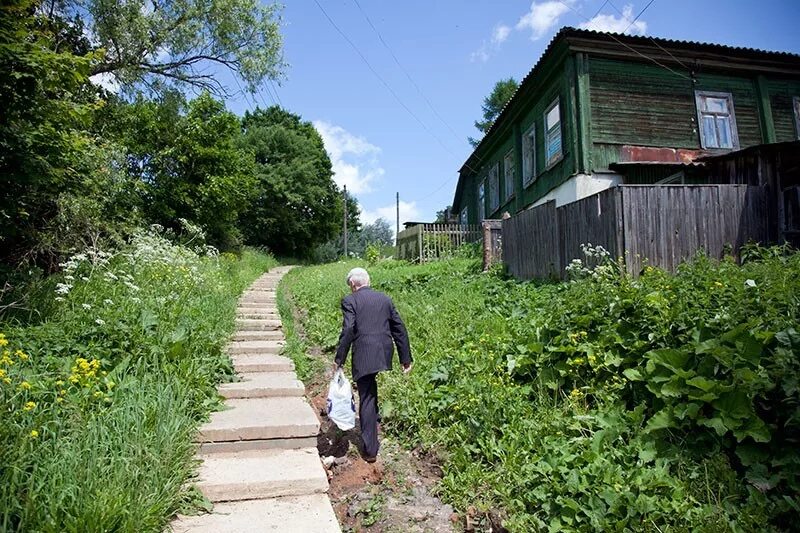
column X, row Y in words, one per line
column 602, row 109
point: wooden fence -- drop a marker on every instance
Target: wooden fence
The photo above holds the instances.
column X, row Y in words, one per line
column 426, row 242
column 661, row 225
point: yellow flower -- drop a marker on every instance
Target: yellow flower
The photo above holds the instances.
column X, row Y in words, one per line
column 29, row 406
column 98, row 394
column 22, row 355
column 575, row 394
column 3, row 340
column 7, row 381
column 73, row 378
column 25, row 385
column 34, row 434
column 59, row 383
column 59, row 399
column 62, row 392
column 2, row 373
column 718, row 284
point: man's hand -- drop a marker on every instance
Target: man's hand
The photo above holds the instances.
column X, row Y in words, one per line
column 336, row 367
column 407, row 368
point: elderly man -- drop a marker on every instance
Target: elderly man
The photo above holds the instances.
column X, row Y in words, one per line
column 370, row 324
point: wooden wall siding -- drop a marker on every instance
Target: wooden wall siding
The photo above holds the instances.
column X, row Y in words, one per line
column 647, row 225
column 781, row 94
column 531, row 244
column 641, row 105
column 664, row 226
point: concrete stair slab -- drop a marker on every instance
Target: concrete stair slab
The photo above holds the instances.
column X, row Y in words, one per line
column 261, row 419
column 269, row 346
column 293, row 514
column 273, row 335
column 247, row 363
column 264, row 385
column 257, row 324
column 258, row 314
column 252, row 475
column 258, row 444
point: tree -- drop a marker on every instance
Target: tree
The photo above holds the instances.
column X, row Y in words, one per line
column 379, row 232
column 441, row 216
column 189, row 163
column 169, row 42
column 493, row 105
column 296, row 204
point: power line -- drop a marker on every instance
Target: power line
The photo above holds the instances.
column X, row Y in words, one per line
column 392, row 92
column 614, row 37
column 410, row 78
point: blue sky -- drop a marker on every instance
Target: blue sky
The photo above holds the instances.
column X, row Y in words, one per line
column 454, row 51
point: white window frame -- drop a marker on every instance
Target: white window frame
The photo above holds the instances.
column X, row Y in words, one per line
column 699, row 96
column 529, row 155
column 550, row 132
column 796, row 107
column 494, row 187
column 462, row 217
column 482, row 200
column 508, row 174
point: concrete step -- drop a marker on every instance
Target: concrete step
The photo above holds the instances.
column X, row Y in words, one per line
column 261, row 419
column 256, row 347
column 263, row 362
column 257, row 324
column 260, row 293
column 264, row 301
column 271, row 314
column 257, row 305
column 274, row 335
column 264, row 385
column 292, row 514
column 258, row 444
column 251, row 475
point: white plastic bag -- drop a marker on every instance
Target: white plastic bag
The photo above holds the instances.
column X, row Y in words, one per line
column 341, row 407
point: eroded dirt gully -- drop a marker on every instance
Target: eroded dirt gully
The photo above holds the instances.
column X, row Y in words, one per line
column 395, row 494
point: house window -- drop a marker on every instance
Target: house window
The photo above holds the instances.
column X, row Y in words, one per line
column 529, row 155
column 797, row 116
column 508, row 174
column 482, row 201
column 462, row 218
column 716, row 120
column 494, row 187
column 552, row 124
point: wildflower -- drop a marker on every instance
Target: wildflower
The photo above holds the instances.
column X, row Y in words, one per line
column 69, row 277
column 59, row 400
column 34, row 434
column 100, row 322
column 2, row 373
column 59, row 299
column 750, row 283
column 84, row 278
column 29, row 406
column 59, row 383
column 7, row 381
column 108, row 302
column 98, row 394
column 718, row 284
column 86, row 306
column 575, row 394
column 25, row 385
column 21, row 355
column 3, row 340
column 62, row 392
column 63, row 288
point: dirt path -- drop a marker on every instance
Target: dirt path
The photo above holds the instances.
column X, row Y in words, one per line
column 393, row 495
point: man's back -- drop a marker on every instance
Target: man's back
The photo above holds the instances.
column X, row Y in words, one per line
column 370, row 324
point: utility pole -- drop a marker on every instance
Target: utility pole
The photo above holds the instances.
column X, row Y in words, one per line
column 398, row 219
column 344, row 231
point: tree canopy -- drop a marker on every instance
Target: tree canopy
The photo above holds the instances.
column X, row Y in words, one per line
column 493, row 104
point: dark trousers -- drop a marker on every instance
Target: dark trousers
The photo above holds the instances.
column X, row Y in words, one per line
column 368, row 413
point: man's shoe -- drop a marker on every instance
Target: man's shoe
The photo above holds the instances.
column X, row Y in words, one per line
column 371, row 459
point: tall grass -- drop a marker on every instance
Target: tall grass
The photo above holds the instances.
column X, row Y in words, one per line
column 538, row 398
column 101, row 399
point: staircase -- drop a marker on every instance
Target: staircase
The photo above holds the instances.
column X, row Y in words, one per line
column 260, row 465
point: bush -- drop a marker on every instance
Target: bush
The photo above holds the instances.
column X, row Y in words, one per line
column 102, row 398
column 664, row 402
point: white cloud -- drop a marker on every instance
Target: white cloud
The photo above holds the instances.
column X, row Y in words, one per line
column 408, row 213
column 106, row 80
column 617, row 25
column 354, row 159
column 499, row 35
column 543, row 16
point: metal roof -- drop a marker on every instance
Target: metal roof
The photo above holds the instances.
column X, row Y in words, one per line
column 568, row 32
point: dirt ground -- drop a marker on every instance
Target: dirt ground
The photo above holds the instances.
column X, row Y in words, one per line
column 393, row 495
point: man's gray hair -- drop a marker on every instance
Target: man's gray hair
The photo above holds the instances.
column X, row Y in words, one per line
column 358, row 277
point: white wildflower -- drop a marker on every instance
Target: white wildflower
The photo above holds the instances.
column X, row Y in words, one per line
column 100, row 322
column 63, row 288
column 750, row 283
column 108, row 302
column 59, row 298
column 86, row 306
column 84, row 278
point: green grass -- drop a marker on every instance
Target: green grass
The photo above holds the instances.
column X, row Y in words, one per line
column 571, row 406
column 119, row 372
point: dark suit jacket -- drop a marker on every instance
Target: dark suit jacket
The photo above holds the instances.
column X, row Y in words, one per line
column 370, row 324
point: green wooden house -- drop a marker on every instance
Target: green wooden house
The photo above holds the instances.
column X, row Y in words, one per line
column 602, row 109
